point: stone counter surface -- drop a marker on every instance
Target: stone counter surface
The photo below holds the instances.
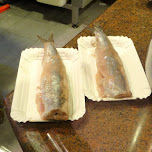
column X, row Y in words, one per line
column 121, row 126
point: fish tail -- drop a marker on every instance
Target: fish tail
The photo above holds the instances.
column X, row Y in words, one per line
column 50, row 40
column 97, row 25
column 100, row 34
column 99, row 30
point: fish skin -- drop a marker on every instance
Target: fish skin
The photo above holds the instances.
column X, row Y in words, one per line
column 52, row 102
column 111, row 78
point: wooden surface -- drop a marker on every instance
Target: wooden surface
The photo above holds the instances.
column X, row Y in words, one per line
column 122, row 126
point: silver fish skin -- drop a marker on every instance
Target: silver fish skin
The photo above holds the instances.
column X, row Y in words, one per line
column 111, row 78
column 52, row 102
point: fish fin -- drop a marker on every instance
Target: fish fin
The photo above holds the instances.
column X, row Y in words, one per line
column 42, row 39
column 98, row 28
column 50, row 39
column 97, row 25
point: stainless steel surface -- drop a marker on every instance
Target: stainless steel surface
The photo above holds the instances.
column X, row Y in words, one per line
column 148, row 64
column 18, row 29
column 75, row 12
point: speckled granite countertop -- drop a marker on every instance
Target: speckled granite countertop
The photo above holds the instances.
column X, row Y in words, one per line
column 124, row 126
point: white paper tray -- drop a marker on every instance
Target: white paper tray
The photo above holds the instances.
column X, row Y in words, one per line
column 124, row 46
column 24, row 107
column 81, row 71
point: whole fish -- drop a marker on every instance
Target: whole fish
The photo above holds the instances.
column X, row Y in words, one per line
column 52, row 102
column 110, row 78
